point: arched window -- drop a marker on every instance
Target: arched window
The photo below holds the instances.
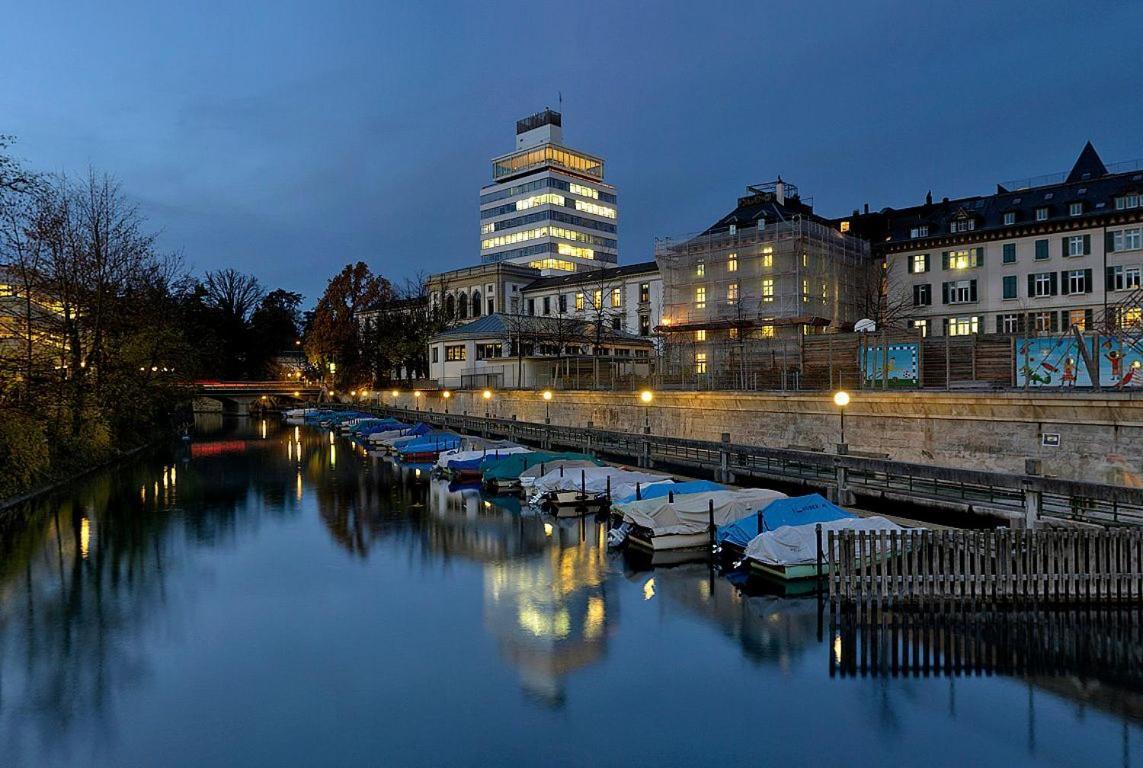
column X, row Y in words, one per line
column 450, row 307
column 476, row 303
column 462, row 306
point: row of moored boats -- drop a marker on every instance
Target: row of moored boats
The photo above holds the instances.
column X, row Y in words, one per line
column 653, row 513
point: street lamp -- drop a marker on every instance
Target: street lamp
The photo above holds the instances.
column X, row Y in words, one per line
column 487, row 395
column 841, row 399
column 547, row 395
column 446, row 395
column 646, row 396
column 417, row 399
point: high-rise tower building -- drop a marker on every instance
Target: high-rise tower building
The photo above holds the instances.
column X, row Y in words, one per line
column 548, row 206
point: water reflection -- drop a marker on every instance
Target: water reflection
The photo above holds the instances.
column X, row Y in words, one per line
column 366, row 589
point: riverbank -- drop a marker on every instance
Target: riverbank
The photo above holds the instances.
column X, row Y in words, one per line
column 9, row 504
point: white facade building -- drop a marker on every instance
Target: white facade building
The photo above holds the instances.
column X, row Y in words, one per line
column 627, row 298
column 548, row 206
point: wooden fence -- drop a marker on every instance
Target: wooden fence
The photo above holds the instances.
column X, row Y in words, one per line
column 1001, row 566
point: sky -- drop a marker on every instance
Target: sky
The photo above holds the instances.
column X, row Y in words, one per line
column 288, row 139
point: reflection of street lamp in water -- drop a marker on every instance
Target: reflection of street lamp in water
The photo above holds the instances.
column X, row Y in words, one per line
column 841, row 399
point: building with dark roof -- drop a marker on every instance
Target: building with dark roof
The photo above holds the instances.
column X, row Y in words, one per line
column 627, row 298
column 1036, row 256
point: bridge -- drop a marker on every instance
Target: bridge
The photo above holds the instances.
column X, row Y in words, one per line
column 243, row 396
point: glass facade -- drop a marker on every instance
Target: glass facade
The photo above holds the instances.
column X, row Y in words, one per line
column 536, row 250
column 547, row 183
column 565, row 218
column 548, row 154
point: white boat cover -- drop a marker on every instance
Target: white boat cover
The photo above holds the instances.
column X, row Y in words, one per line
column 388, row 435
column 594, row 480
column 571, row 466
column 468, row 455
column 689, row 513
column 798, row 544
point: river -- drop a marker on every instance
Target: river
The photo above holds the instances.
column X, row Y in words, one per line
column 269, row 595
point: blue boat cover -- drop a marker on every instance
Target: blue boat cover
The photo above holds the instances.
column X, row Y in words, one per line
column 664, row 489
column 797, row 510
column 431, row 443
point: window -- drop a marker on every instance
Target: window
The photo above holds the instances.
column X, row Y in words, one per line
column 435, row 351
column 547, row 305
column 700, row 363
column 1077, row 281
column 579, row 303
column 1010, row 287
column 1042, row 214
column 700, row 335
column 487, row 351
column 1075, row 209
column 768, row 290
column 922, row 231
column 491, row 305
column 1009, row 218
column 963, row 225
column 1130, row 317
column 964, row 259
column 563, row 303
column 732, row 262
column 732, row 333
column 918, row 263
column 1009, row 253
column 1077, row 318
column 805, row 259
column 597, row 298
column 1009, row 324
column 805, row 290
column 844, row 226
column 960, row 292
column 531, row 306
column 616, row 323
column 644, row 293
column 1077, row 245
column 700, row 297
column 1124, row 202
column 766, row 332
column 1123, row 278
column 1041, row 250
column 962, row 326
column 644, row 325
column 922, row 295
column 733, row 229
column 732, row 294
column 617, row 297
column 920, row 325
column 1126, row 240
column 700, row 270
column 455, row 353
column 1042, row 284
column 768, row 256
column 1043, row 322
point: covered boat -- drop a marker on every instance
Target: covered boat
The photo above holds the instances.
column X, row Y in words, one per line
column 791, row 551
column 661, row 524
column 666, row 489
column 570, row 487
column 387, row 437
column 507, row 472
column 426, row 448
column 796, row 510
column 468, row 458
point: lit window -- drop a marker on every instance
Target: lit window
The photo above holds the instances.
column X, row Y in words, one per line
column 767, row 290
column 766, row 332
column 700, row 335
column 487, row 228
column 732, row 293
column 455, row 353
column 963, row 326
column 805, row 289
column 559, row 264
column 616, row 297
column 700, row 270
column 700, row 297
column 549, row 198
column 596, row 208
column 966, row 259
column 597, row 298
column 644, row 293
column 537, row 233
column 570, row 250
column 700, row 362
column 768, row 256
column 582, row 191
column 919, row 262
column 732, row 333
column 1077, row 318
column 922, row 326
column 845, row 226
column 732, row 262
column 805, row 259
column 1131, row 317
column 579, row 302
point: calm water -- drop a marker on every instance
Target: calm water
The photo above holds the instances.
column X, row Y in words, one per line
column 265, row 597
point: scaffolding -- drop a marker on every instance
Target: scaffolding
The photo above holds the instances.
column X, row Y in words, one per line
column 737, row 301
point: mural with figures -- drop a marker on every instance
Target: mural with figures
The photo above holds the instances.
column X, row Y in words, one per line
column 903, row 369
column 1057, row 361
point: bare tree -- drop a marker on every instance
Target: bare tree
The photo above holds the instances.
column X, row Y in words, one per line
column 234, row 293
column 602, row 313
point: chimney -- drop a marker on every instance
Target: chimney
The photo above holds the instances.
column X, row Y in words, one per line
column 780, row 191
column 929, row 198
column 867, row 207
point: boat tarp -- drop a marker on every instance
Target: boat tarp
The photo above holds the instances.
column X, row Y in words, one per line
column 798, row 544
column 665, row 489
column 511, row 467
column 430, row 444
column 530, row 475
column 389, row 435
column 689, row 513
column 594, row 480
column 400, row 443
column 797, row 510
column 461, row 459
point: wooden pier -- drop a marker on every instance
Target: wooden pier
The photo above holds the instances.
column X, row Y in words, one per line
column 1001, row 566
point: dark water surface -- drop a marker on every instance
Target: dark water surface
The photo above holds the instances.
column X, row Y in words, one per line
column 264, row 597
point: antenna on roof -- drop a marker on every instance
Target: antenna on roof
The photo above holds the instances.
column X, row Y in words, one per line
column 560, row 98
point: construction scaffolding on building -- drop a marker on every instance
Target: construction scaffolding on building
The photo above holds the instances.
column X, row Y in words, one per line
column 737, row 300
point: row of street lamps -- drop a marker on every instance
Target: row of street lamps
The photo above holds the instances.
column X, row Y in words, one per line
column 646, row 396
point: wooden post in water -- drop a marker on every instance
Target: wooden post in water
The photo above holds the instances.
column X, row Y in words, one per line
column 638, row 492
column 710, row 523
column 818, row 532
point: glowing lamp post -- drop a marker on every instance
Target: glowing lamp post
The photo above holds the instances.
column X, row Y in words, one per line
column 417, row 400
column 646, row 396
column 487, row 395
column 446, row 395
column 841, row 399
column 547, row 395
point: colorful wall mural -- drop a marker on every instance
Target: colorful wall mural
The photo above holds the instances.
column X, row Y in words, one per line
column 903, row 370
column 1056, row 361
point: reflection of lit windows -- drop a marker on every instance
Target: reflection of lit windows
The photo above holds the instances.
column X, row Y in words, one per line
column 767, row 290
column 582, row 191
column 962, row 326
column 845, row 226
column 548, row 198
column 732, row 262
column 700, row 335
column 700, row 362
column 700, row 297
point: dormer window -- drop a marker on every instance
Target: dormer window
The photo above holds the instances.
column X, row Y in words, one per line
column 733, row 229
column 922, row 231
column 1042, row 214
column 963, row 225
column 1009, row 218
column 1075, row 209
column 1123, row 202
